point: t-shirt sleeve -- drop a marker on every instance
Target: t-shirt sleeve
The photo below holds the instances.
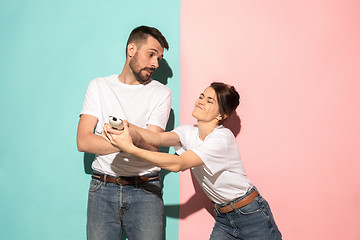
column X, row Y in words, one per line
column 91, row 104
column 213, row 153
column 184, row 133
column 160, row 114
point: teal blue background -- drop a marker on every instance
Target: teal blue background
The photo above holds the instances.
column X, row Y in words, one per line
column 50, row 51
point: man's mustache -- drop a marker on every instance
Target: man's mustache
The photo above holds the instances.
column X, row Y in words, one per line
column 152, row 70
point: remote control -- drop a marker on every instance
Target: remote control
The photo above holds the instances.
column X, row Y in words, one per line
column 116, row 123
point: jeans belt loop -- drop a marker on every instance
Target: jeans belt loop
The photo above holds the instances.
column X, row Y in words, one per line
column 232, row 207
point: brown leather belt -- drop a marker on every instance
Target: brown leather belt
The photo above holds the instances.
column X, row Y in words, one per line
column 124, row 180
column 238, row 204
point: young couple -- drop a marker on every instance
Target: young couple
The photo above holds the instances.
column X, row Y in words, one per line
column 125, row 189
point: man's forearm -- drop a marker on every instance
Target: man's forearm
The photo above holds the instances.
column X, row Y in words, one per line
column 96, row 144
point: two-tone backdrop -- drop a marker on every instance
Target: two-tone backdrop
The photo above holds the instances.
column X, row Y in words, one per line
column 295, row 64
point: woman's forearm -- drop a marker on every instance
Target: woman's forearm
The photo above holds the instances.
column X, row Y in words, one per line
column 152, row 138
column 167, row 161
column 157, row 139
column 163, row 160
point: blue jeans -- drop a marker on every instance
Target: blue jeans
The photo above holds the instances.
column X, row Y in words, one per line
column 251, row 222
column 137, row 209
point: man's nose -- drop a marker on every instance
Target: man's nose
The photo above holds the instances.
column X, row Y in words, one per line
column 155, row 63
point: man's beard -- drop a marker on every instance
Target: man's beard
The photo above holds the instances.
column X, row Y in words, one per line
column 134, row 66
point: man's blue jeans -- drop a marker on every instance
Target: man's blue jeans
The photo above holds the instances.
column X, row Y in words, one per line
column 138, row 209
column 251, row 222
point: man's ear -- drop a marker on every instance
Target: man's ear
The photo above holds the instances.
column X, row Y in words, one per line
column 131, row 50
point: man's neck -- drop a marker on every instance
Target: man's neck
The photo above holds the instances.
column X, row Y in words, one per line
column 127, row 76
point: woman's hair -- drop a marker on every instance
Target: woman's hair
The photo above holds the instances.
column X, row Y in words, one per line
column 228, row 99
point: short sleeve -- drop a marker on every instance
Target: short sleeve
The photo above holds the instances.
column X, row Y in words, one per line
column 160, row 114
column 91, row 104
column 184, row 132
column 213, row 153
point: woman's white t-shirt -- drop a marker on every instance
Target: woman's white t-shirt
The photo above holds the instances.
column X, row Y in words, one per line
column 222, row 175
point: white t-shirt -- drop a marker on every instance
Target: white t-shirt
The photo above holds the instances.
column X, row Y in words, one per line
column 139, row 104
column 222, row 175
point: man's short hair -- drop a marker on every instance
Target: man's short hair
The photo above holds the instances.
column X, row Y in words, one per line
column 140, row 34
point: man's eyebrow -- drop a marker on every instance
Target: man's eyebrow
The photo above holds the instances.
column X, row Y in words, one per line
column 155, row 50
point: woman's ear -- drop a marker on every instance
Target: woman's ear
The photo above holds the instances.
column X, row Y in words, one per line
column 221, row 118
column 218, row 118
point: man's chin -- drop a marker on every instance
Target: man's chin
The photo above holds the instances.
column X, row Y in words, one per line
column 143, row 79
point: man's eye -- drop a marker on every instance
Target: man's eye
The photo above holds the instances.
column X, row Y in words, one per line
column 151, row 54
column 201, row 97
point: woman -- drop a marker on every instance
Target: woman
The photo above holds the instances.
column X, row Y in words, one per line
column 211, row 151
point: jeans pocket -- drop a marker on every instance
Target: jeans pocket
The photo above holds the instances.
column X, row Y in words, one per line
column 95, row 185
column 251, row 208
column 153, row 187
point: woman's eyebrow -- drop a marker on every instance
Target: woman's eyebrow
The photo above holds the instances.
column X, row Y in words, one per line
column 211, row 98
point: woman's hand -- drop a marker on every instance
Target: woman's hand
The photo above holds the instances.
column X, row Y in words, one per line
column 119, row 138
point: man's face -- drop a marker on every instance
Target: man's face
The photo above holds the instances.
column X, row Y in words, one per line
column 146, row 59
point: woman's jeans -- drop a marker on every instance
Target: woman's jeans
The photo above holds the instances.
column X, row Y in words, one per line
column 137, row 209
column 251, row 222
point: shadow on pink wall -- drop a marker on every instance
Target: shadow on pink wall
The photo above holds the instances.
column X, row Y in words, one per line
column 197, row 202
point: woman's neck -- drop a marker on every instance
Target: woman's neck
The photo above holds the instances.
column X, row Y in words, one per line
column 205, row 128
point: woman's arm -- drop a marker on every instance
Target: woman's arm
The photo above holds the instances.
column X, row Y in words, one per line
column 139, row 135
column 167, row 161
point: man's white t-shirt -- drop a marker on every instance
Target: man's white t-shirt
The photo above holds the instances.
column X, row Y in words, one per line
column 139, row 104
column 222, row 176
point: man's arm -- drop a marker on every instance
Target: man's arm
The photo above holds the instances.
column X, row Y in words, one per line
column 89, row 142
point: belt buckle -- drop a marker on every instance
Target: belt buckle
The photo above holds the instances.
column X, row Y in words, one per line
column 119, row 181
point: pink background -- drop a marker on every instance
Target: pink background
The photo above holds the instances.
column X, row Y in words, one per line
column 296, row 65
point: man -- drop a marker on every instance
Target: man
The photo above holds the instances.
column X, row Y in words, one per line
column 124, row 190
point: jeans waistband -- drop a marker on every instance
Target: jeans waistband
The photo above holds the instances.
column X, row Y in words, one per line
column 128, row 180
column 239, row 202
column 154, row 174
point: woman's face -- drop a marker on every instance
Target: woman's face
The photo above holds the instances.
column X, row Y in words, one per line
column 207, row 107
